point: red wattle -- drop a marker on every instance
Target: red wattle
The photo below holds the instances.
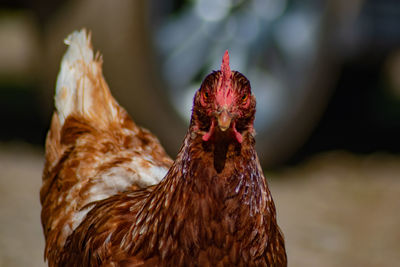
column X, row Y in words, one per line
column 238, row 135
column 208, row 135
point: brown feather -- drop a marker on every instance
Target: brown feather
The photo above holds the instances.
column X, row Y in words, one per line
column 95, row 152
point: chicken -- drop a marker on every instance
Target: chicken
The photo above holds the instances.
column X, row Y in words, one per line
column 210, row 207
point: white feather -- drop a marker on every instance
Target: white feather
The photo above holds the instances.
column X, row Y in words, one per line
column 73, row 84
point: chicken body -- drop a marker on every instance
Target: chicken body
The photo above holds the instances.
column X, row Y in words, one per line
column 93, row 149
column 212, row 208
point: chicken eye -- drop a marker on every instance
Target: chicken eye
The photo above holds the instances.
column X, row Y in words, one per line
column 244, row 98
column 204, row 98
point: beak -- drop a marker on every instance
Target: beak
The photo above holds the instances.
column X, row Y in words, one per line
column 224, row 120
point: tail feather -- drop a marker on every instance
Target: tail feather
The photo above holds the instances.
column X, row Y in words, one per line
column 79, row 80
column 93, row 148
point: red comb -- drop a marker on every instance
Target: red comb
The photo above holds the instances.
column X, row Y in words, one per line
column 224, row 90
column 225, row 69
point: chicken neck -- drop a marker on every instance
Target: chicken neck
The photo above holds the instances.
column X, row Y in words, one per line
column 214, row 196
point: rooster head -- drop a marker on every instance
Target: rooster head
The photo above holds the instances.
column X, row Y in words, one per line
column 224, row 104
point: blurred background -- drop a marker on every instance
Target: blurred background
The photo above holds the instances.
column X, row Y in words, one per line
column 326, row 75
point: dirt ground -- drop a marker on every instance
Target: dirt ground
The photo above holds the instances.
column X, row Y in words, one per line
column 336, row 209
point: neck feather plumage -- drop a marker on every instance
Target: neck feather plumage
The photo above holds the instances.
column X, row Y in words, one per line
column 214, row 194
